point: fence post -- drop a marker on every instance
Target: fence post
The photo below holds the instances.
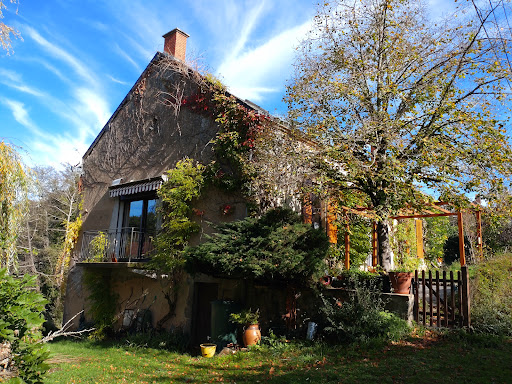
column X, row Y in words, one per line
column 416, row 291
column 466, row 311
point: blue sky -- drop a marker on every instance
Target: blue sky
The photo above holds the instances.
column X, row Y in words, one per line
column 77, row 59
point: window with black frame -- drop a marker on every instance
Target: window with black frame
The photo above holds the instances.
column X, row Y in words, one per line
column 139, row 226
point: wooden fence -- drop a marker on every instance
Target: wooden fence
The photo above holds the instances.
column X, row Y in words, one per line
column 441, row 299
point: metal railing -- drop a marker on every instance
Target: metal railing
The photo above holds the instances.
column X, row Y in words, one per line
column 121, row 245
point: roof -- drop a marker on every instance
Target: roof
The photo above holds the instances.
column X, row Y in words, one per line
column 280, row 124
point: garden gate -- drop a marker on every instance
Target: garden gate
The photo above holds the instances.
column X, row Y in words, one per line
column 441, row 300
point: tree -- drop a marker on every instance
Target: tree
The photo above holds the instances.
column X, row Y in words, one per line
column 5, row 30
column 49, row 232
column 13, row 199
column 402, row 104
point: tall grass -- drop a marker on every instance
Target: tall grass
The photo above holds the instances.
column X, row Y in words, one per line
column 491, row 295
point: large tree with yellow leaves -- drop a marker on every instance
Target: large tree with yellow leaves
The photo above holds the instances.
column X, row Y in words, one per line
column 13, row 203
column 6, row 31
column 403, row 103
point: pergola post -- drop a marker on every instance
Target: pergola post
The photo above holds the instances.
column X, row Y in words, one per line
column 332, row 228
column 419, row 238
column 347, row 240
column 461, row 238
column 375, row 245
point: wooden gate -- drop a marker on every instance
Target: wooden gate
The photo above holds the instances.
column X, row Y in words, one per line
column 441, row 299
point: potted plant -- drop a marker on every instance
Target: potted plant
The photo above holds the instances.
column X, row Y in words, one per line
column 249, row 321
column 401, row 276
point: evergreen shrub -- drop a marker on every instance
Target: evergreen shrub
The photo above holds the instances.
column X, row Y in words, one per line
column 277, row 246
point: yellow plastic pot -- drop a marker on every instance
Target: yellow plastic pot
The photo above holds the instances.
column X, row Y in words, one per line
column 208, row 350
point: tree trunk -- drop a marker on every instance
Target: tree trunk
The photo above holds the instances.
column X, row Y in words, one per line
column 386, row 256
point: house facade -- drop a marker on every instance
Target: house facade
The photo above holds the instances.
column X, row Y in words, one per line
column 148, row 134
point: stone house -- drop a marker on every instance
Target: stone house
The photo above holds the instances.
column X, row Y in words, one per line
column 122, row 170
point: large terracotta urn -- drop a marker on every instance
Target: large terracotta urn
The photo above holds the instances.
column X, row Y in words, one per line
column 400, row 281
column 252, row 335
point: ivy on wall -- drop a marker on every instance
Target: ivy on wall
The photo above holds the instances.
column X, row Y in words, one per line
column 184, row 184
column 235, row 140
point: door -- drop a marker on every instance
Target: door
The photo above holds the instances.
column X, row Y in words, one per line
column 204, row 294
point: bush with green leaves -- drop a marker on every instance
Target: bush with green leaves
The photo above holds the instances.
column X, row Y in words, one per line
column 361, row 318
column 184, row 184
column 21, row 318
column 351, row 278
column 277, row 246
column 491, row 297
column 102, row 301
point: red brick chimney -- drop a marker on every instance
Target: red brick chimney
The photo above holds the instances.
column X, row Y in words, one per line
column 175, row 43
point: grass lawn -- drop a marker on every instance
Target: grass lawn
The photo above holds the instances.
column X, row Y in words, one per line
column 419, row 360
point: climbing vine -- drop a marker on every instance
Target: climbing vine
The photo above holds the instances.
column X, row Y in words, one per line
column 184, row 183
column 235, row 140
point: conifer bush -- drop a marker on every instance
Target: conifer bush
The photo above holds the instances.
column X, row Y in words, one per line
column 277, row 246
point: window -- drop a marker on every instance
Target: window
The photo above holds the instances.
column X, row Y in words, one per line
column 141, row 215
column 139, row 227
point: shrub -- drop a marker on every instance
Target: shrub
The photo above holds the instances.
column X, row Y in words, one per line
column 275, row 247
column 360, row 318
column 351, row 278
column 20, row 324
column 491, row 298
column 102, row 301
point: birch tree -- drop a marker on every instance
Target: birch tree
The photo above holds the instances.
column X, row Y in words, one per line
column 403, row 104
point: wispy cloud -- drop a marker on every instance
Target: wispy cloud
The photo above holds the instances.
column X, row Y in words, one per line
column 90, row 105
column 59, row 150
column 112, row 78
column 127, row 57
column 252, row 73
column 248, row 25
column 14, row 80
column 61, row 54
column 20, row 114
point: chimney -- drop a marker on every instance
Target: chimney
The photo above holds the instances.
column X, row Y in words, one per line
column 175, row 43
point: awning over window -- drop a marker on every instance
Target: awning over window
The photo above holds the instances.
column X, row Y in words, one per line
column 133, row 188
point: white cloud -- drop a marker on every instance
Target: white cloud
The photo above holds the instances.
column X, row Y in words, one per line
column 12, row 76
column 251, row 74
column 127, row 57
column 90, row 105
column 20, row 114
column 252, row 16
column 59, row 150
column 87, row 109
column 115, row 80
column 14, row 80
column 62, row 55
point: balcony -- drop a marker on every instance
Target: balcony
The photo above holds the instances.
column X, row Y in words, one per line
column 111, row 246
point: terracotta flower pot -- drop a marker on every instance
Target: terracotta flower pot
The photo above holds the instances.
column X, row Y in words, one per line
column 326, row 280
column 400, row 281
column 252, row 335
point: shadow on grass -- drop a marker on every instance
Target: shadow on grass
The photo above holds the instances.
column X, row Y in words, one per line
column 422, row 360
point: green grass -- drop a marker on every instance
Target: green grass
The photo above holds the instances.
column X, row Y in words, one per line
column 461, row 359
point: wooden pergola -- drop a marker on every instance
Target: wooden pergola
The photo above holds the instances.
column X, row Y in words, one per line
column 436, row 209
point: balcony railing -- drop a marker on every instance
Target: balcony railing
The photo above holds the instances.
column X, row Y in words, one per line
column 122, row 245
